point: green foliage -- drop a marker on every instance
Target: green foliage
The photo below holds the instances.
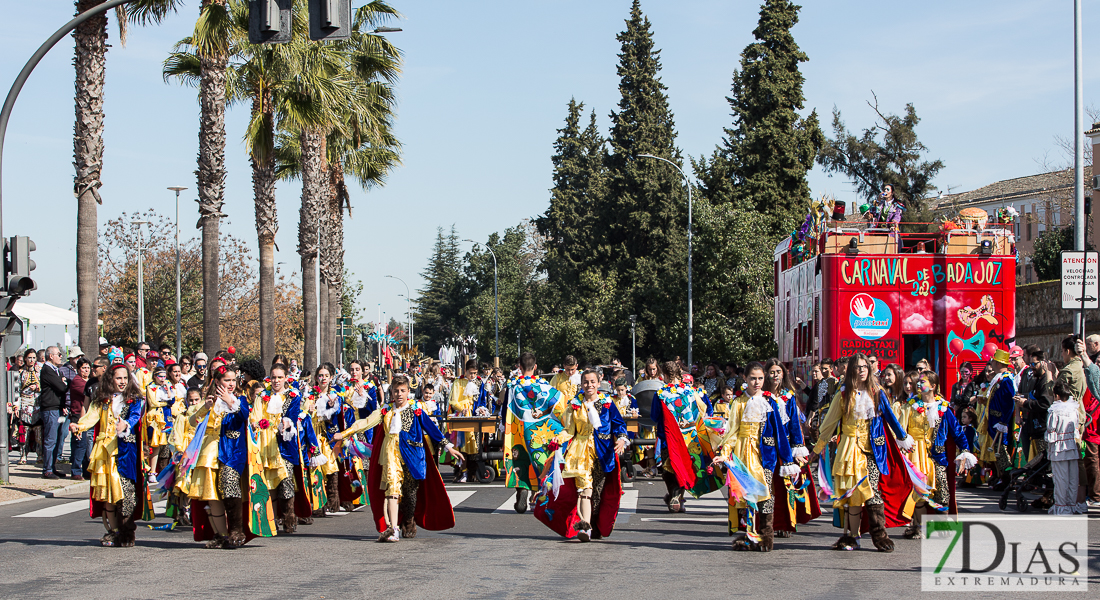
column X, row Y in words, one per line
column 1046, row 257
column 870, row 161
column 569, row 224
column 733, row 271
column 577, row 319
column 765, row 155
column 441, row 298
column 644, row 217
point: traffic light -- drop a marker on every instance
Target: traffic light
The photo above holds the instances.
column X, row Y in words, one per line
column 18, row 266
column 270, row 21
column 329, row 19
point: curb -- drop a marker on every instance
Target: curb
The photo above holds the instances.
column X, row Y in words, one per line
column 49, row 493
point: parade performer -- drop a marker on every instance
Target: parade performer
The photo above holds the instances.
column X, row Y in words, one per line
column 117, row 484
column 568, row 380
column 996, row 403
column 795, row 497
column 582, row 499
column 756, row 436
column 529, row 426
column 159, row 400
column 217, row 461
column 868, row 469
column 291, row 427
column 182, row 434
column 403, row 483
column 464, row 393
column 328, row 418
column 678, row 412
column 928, row 418
column 142, row 376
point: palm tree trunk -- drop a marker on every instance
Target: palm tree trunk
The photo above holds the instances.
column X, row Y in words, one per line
column 267, row 224
column 337, row 192
column 90, row 62
column 312, row 193
column 211, row 186
column 323, row 306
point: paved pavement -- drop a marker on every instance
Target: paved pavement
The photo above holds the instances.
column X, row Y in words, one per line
column 49, row 548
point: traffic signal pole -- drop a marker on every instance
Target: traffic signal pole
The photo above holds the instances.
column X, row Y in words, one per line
column 5, row 114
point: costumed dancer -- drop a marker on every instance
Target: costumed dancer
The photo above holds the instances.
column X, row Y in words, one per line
column 586, row 504
column 182, row 434
column 868, row 469
column 928, row 418
column 160, row 398
column 756, row 437
column 117, row 484
column 328, row 408
column 298, row 449
column 996, row 403
column 142, row 376
column 464, row 393
column 217, row 462
column 568, row 380
column 678, row 412
column 795, row 496
column 529, row 426
column 404, row 485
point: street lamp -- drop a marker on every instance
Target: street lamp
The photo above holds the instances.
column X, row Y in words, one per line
column 179, row 323
column 496, row 302
column 141, row 280
column 633, row 347
column 687, row 182
column 408, row 309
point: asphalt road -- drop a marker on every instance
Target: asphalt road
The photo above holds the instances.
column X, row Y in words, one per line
column 49, row 548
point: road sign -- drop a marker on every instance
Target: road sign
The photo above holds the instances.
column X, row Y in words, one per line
column 1080, row 285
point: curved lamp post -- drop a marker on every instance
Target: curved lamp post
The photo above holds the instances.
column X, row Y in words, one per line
column 687, row 182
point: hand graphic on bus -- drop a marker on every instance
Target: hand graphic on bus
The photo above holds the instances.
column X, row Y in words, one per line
column 861, row 308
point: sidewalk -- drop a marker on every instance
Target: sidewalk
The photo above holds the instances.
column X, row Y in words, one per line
column 26, row 481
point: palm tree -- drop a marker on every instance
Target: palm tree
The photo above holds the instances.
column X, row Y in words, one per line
column 202, row 60
column 90, row 62
column 336, row 98
column 211, row 44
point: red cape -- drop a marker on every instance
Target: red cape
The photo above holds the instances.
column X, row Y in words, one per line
column 205, row 531
column 953, row 508
column 433, row 505
column 560, row 514
column 804, row 511
column 895, row 488
column 679, row 459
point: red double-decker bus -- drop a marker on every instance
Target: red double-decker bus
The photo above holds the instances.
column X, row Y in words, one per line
column 948, row 297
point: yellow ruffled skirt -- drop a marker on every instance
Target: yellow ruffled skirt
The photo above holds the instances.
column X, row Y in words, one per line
column 106, row 483
column 579, row 461
column 154, row 420
column 849, row 468
column 747, row 448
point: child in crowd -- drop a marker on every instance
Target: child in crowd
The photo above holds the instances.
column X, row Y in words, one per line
column 969, row 420
column 1063, row 452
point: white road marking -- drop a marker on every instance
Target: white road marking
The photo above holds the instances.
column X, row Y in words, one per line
column 628, row 505
column 57, row 510
column 459, row 496
column 685, row 520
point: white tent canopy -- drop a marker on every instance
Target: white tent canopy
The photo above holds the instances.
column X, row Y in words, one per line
column 40, row 313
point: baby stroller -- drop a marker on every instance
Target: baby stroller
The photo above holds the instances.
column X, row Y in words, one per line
column 1035, row 476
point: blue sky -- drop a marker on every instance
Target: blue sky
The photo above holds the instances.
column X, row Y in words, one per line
column 485, row 87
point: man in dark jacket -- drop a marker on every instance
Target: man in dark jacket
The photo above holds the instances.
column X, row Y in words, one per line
column 51, row 407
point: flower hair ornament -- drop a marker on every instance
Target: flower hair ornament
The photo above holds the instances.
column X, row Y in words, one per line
column 221, row 370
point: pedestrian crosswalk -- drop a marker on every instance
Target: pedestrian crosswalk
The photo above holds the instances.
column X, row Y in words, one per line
column 710, row 508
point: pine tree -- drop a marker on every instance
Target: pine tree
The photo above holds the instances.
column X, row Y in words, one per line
column 644, row 215
column 439, row 302
column 765, row 155
column 568, row 224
